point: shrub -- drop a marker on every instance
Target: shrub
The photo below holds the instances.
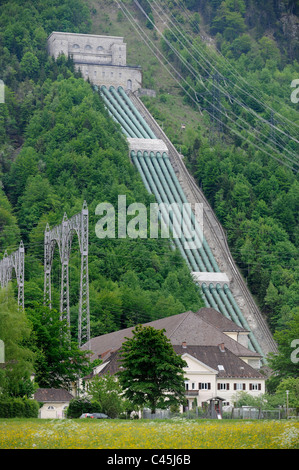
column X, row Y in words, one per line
column 78, row 406
column 18, row 408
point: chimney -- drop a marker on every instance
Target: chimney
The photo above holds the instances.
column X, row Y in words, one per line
column 184, row 345
column 221, row 347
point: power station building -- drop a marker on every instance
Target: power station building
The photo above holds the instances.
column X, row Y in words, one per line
column 101, row 59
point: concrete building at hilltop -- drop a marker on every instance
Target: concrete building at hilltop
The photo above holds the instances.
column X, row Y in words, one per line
column 101, row 59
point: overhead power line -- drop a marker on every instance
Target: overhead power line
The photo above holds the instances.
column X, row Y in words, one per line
column 215, row 72
column 239, row 77
column 165, row 61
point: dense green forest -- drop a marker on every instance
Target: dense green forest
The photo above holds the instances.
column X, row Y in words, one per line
column 244, row 151
column 59, row 147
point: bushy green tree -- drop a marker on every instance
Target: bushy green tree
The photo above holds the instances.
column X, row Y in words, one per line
column 58, row 360
column 152, row 373
column 106, row 390
column 15, row 330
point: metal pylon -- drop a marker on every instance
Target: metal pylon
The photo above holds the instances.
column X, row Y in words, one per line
column 16, row 261
column 63, row 235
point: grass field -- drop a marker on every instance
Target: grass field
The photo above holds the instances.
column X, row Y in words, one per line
column 147, row 434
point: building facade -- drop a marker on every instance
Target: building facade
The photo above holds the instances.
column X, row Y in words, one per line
column 214, row 371
column 219, row 364
column 55, row 402
column 101, row 59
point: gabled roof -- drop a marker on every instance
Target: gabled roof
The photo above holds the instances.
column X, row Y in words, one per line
column 188, row 326
column 52, row 395
column 210, row 315
column 213, row 356
column 210, row 356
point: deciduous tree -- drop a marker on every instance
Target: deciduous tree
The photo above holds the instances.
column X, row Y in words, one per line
column 152, row 373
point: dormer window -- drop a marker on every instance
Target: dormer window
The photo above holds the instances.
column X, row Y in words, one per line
column 88, row 47
column 76, row 46
column 99, row 48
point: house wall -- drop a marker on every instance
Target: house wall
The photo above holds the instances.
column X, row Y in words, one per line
column 197, row 373
column 53, row 410
column 233, row 386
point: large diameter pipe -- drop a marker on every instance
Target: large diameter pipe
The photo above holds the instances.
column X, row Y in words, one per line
column 154, row 190
column 174, row 217
column 181, row 214
column 242, row 319
column 209, row 296
column 231, row 311
column 137, row 164
column 219, row 302
column 184, row 199
column 120, row 112
column 119, row 119
column 205, row 260
column 128, row 112
column 136, row 112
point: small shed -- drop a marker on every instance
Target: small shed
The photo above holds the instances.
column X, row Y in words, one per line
column 55, row 402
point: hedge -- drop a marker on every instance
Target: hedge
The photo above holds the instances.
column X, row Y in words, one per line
column 78, row 406
column 18, row 408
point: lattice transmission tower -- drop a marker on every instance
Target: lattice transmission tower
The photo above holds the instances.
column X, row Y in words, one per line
column 15, row 261
column 63, row 235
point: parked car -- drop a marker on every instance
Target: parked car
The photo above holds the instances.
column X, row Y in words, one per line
column 95, row 415
column 85, row 415
column 99, row 416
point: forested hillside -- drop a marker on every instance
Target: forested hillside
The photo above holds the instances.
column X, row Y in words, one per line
column 235, row 62
column 254, row 189
column 58, row 148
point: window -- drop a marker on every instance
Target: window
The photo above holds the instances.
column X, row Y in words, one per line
column 76, row 46
column 88, row 47
column 193, row 386
column 51, row 407
column 223, row 386
column 204, row 386
column 220, row 367
column 255, row 386
column 99, row 48
column 239, row 386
